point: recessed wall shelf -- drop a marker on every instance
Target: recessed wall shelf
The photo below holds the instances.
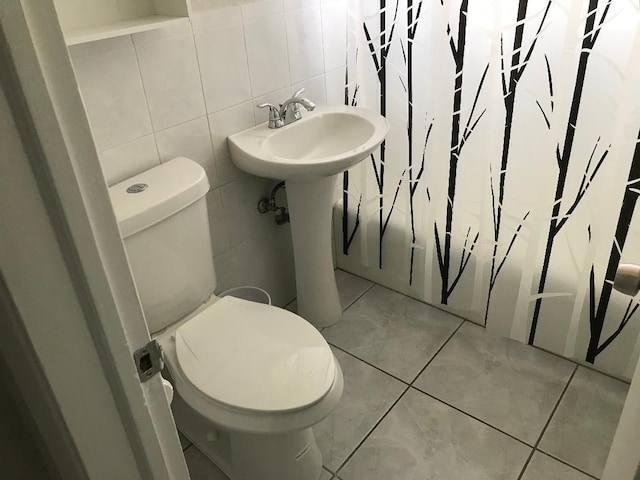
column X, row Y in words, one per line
column 89, row 20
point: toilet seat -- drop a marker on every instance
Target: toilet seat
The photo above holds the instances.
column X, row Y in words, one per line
column 254, row 357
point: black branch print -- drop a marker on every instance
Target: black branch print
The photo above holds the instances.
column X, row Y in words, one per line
column 347, row 237
column 510, row 82
column 592, row 30
column 460, row 134
column 414, row 178
column 379, row 56
column 597, row 314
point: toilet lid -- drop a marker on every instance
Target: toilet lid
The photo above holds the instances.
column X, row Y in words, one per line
column 254, row 356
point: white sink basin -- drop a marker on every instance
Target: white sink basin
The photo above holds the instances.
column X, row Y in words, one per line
column 324, row 142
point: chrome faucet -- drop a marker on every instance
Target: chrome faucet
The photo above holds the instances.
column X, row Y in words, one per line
column 289, row 111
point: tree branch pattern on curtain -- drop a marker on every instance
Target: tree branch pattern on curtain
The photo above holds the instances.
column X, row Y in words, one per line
column 505, row 191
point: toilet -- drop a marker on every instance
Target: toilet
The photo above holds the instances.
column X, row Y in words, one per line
column 250, row 380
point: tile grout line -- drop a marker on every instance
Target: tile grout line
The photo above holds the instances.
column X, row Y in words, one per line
column 546, row 425
column 588, row 366
column 370, row 364
column 359, row 296
column 335, row 474
column 408, row 387
column 534, row 448
column 484, row 422
column 384, row 371
column 355, row 450
column 146, row 97
column 593, row 369
column 555, row 408
column 559, row 460
column 424, row 302
column 355, row 274
column 284, row 13
column 206, row 111
column 246, row 55
column 438, row 351
column 564, row 462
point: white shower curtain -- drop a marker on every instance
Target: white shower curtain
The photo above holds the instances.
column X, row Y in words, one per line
column 506, row 189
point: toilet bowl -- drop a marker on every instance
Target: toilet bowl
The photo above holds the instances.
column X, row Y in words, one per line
column 250, row 380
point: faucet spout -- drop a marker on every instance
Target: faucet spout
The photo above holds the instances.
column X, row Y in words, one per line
column 305, row 102
column 290, row 109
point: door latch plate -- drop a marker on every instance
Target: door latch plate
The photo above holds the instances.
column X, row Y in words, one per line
column 149, row 360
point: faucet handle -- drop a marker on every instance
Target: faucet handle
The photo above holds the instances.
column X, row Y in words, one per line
column 275, row 120
column 270, row 106
column 295, row 108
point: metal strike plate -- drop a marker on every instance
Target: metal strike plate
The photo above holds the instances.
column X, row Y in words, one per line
column 137, row 188
column 149, row 360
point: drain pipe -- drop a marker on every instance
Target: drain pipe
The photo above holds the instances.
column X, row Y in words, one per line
column 269, row 205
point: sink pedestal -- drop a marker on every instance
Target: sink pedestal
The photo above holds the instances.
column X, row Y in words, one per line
column 310, row 204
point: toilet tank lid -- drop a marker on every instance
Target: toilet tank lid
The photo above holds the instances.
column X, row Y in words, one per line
column 151, row 196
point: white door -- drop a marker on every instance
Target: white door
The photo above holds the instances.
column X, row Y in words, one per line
column 71, row 318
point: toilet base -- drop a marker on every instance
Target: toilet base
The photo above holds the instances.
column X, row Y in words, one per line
column 247, row 456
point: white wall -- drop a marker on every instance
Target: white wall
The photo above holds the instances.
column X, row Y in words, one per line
column 21, row 449
column 182, row 90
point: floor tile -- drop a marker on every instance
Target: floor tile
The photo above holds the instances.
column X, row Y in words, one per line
column 200, row 467
column 507, row 384
column 393, row 332
column 544, row 467
column 326, row 475
column 368, row 394
column 582, row 429
column 350, row 287
column 423, row 439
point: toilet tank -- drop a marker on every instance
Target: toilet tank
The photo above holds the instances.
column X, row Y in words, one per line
column 162, row 215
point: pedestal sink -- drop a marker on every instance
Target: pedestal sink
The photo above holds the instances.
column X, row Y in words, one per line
column 308, row 154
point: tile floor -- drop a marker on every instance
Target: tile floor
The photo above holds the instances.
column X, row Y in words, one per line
column 429, row 396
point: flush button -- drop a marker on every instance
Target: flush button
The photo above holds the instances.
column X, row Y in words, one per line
column 137, row 188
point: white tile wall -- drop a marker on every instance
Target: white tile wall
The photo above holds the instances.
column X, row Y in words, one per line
column 238, row 205
column 184, row 89
column 290, row 5
column 258, row 9
column 267, row 53
column 170, row 77
column 224, row 123
column 113, row 94
column 128, row 159
column 304, row 37
column 334, row 84
column 334, row 28
column 191, row 139
column 218, row 223
column 314, row 88
column 223, row 65
column 205, row 18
